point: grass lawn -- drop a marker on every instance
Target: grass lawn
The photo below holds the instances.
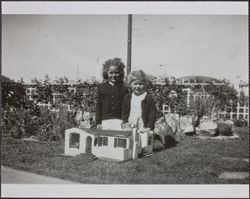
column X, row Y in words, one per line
column 191, row 161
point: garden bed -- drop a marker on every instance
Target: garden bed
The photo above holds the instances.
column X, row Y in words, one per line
column 192, row 161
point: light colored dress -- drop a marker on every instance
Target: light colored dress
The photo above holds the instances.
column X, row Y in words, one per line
column 135, row 110
column 112, row 124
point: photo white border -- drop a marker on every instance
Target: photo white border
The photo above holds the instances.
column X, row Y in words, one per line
column 126, row 191
column 101, row 7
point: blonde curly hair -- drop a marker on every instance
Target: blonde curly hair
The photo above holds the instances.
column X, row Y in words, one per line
column 138, row 75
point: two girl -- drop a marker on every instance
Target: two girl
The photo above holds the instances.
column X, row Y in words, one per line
column 119, row 109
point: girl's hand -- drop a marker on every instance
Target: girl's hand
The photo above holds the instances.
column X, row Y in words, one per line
column 132, row 125
column 143, row 129
column 126, row 126
column 99, row 127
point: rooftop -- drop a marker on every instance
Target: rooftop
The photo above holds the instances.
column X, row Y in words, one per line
column 112, row 133
column 200, row 79
column 5, row 79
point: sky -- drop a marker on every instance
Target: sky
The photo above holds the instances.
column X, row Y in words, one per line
column 78, row 45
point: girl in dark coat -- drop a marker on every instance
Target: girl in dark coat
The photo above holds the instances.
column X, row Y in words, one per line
column 110, row 96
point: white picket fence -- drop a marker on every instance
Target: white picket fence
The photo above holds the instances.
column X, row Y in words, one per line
column 241, row 112
column 166, row 109
column 49, row 106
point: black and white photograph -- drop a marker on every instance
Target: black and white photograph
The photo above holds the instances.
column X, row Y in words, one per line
column 124, row 99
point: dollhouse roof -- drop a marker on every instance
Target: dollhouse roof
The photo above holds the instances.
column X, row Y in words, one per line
column 110, row 133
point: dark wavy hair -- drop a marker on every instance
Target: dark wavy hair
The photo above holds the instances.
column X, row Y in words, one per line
column 113, row 62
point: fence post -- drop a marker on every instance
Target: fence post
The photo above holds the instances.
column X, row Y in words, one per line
column 238, row 110
column 231, row 114
column 244, row 111
column 164, row 109
column 188, row 97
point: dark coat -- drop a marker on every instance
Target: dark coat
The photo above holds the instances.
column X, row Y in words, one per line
column 109, row 101
column 148, row 110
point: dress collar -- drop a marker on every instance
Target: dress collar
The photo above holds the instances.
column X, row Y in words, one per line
column 141, row 97
column 113, row 85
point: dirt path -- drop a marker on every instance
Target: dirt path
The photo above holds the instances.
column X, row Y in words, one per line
column 13, row 176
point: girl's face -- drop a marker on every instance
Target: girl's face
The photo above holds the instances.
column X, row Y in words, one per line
column 138, row 87
column 114, row 74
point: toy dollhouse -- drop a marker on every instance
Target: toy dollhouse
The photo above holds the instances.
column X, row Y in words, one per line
column 109, row 144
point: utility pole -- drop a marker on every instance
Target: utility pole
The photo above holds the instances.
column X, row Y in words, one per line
column 77, row 75
column 129, row 44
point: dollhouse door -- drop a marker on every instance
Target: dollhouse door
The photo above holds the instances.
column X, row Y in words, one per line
column 88, row 144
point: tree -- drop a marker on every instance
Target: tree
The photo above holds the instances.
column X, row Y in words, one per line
column 44, row 90
column 168, row 93
column 79, row 95
column 13, row 95
column 86, row 95
column 242, row 98
column 60, row 88
column 178, row 100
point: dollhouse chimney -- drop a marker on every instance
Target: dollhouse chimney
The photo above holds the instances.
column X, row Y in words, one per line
column 136, row 137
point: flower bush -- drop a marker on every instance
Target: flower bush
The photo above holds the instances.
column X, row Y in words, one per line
column 42, row 123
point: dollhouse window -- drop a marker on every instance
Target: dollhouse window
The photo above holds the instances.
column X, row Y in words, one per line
column 115, row 143
column 100, row 141
column 150, row 140
column 95, row 141
column 120, row 142
column 103, row 141
column 74, row 140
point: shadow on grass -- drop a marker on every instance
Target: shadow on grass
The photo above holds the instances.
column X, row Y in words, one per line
column 170, row 142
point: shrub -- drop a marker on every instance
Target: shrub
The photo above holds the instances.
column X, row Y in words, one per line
column 40, row 122
column 53, row 124
column 240, row 122
column 13, row 123
column 13, row 95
